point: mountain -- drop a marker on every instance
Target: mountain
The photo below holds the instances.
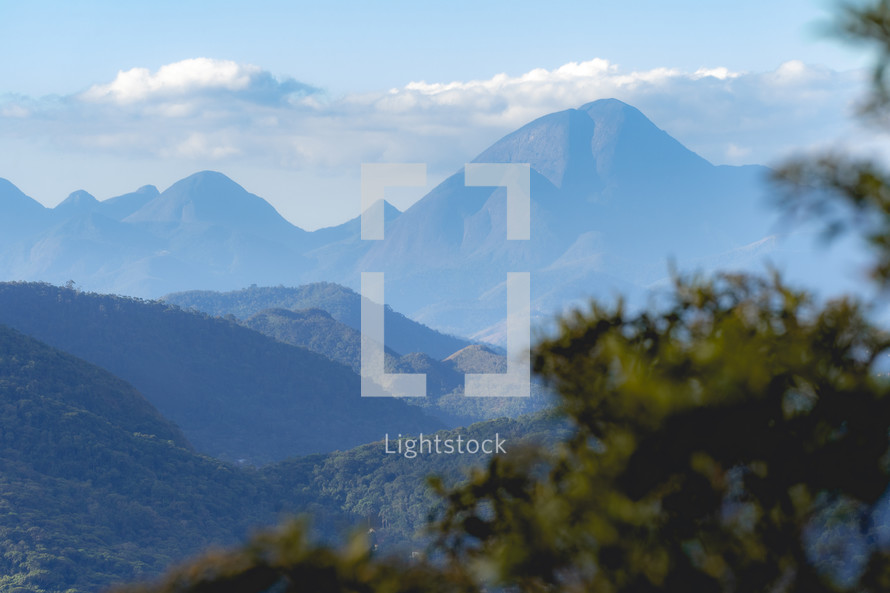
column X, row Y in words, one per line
column 75, row 385
column 343, row 304
column 313, row 329
column 349, row 231
column 614, row 198
column 210, row 198
column 97, row 488
column 477, row 359
column 235, row 393
column 76, row 203
column 318, row 331
column 205, row 230
column 20, row 216
column 120, row 207
column 16, row 204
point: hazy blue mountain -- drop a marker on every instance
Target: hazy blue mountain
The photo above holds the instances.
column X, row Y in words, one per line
column 614, row 199
column 351, row 229
column 204, row 230
column 318, row 331
column 79, row 202
column 14, row 203
column 19, row 217
column 83, row 243
column 343, row 304
column 235, row 393
column 211, row 198
column 225, row 235
column 120, row 207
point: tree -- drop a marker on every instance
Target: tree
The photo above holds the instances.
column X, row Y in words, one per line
column 712, row 441
column 735, row 439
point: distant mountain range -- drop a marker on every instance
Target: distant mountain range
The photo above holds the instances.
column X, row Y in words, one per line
column 613, row 199
column 326, row 318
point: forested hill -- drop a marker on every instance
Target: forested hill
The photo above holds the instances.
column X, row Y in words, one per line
column 236, row 394
column 97, row 488
column 402, row 334
column 75, row 385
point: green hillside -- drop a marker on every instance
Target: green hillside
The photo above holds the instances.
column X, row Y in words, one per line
column 318, row 331
column 236, row 394
column 95, row 486
column 313, row 329
column 402, row 334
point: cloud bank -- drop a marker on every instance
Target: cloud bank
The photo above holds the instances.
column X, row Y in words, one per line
column 217, row 109
column 214, row 113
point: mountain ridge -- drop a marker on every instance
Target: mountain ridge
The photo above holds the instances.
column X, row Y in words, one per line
column 235, row 393
column 613, row 198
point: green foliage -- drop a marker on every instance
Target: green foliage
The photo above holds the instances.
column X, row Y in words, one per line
column 389, row 491
column 708, row 436
column 95, row 486
column 286, row 561
column 843, row 192
column 868, row 24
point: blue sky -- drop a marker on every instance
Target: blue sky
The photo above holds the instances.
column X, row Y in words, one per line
column 289, row 98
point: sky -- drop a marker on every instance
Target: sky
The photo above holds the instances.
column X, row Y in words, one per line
column 290, row 98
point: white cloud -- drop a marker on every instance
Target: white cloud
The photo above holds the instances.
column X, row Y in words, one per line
column 221, row 111
column 180, row 78
column 189, row 79
column 768, row 113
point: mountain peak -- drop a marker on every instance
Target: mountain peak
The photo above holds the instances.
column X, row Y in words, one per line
column 211, row 197
column 120, row 207
column 390, row 212
column 78, row 201
column 208, row 181
column 624, row 138
column 586, row 148
column 614, row 105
